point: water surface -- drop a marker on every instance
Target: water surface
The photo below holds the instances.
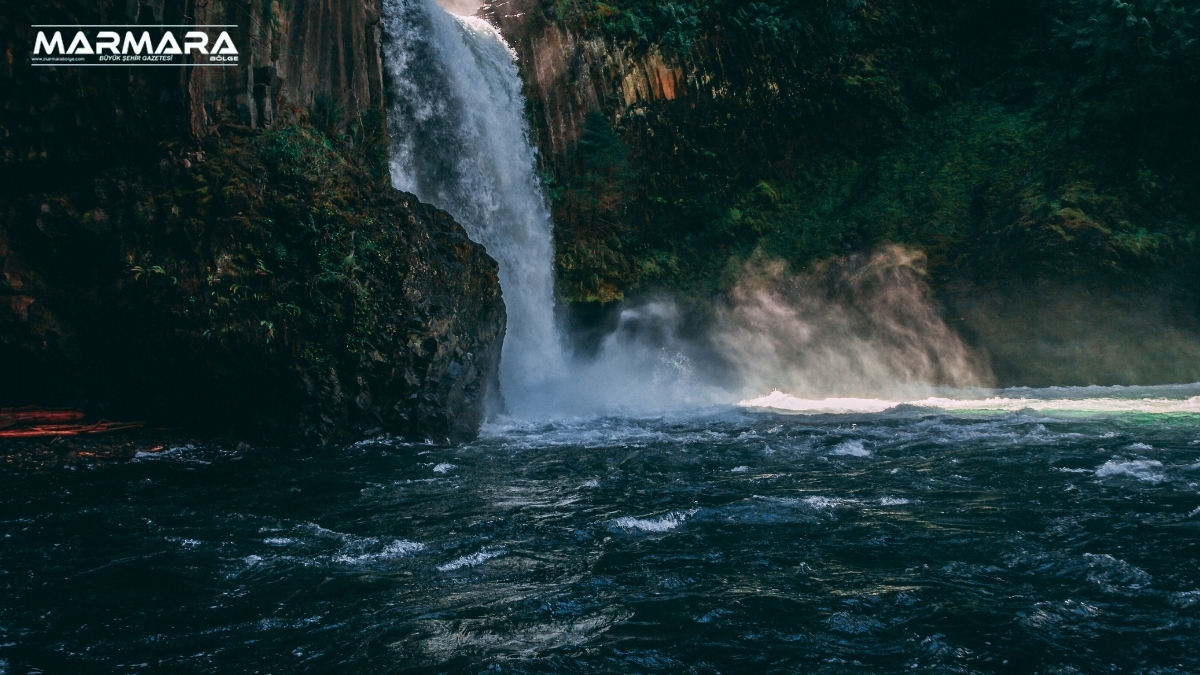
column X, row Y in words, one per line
column 912, row 539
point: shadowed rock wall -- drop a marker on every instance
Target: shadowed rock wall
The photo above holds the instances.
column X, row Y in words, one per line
column 220, row 247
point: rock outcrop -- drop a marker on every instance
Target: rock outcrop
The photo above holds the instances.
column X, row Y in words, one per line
column 569, row 74
column 220, row 248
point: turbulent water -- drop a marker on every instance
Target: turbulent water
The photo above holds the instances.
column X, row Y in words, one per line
column 983, row 538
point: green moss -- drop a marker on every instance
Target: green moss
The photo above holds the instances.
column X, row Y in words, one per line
column 285, row 252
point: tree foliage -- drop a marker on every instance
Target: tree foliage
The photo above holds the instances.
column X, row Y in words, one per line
column 1031, row 137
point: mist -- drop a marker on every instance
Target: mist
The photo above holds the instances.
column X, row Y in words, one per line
column 1055, row 334
column 461, row 7
column 866, row 325
column 860, row 326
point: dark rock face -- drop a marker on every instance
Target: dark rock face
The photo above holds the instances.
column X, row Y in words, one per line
column 219, row 247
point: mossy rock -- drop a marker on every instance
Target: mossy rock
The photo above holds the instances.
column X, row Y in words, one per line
column 263, row 283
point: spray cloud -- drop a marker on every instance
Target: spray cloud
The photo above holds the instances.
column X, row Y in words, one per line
column 862, row 325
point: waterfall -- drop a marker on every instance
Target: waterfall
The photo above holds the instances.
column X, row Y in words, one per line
column 460, row 142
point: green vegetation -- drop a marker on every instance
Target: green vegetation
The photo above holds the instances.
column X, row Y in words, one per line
column 1035, row 138
column 276, row 283
column 285, row 246
column 591, row 209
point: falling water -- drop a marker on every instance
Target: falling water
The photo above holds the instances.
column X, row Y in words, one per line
column 460, row 142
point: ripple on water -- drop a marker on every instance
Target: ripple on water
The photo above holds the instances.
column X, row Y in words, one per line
column 1114, row 575
column 312, row 546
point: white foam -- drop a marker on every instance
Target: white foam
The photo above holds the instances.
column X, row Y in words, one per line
column 851, row 448
column 818, row 502
column 781, row 401
column 1043, row 402
column 664, row 524
column 893, row 501
column 443, row 467
column 353, row 549
column 396, row 549
column 1141, row 469
column 471, row 560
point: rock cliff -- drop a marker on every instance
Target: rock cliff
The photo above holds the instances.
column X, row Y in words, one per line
column 571, row 72
column 220, row 248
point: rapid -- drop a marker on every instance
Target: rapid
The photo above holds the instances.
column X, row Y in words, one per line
column 721, row 540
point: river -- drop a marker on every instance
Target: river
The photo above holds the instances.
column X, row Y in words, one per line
column 723, row 540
